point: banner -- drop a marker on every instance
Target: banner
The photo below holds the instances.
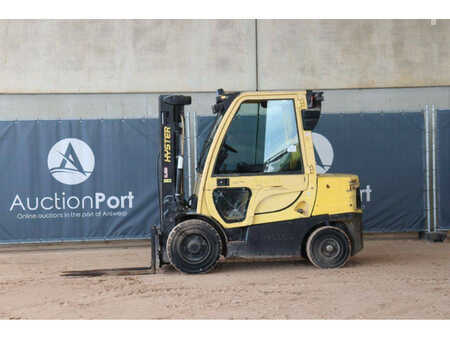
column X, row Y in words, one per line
column 78, row 180
column 97, row 180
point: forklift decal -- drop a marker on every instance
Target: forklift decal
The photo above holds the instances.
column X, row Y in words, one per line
column 167, row 147
column 166, row 176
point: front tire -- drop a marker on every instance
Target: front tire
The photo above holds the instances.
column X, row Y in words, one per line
column 328, row 247
column 194, row 246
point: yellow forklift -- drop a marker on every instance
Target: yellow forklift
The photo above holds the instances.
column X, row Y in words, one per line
column 257, row 193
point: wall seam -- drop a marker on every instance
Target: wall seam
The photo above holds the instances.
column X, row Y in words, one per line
column 256, row 55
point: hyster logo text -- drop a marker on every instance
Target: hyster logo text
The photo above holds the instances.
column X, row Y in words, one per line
column 167, row 148
column 71, row 161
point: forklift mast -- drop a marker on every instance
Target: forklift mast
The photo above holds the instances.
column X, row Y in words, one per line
column 171, row 194
column 170, row 172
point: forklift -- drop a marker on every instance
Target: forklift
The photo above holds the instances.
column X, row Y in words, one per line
column 257, row 192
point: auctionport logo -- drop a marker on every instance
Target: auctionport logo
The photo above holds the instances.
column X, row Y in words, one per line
column 324, row 153
column 71, row 161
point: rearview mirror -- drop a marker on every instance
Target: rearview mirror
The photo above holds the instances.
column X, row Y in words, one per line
column 310, row 118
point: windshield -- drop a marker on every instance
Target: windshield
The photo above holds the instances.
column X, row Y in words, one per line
column 262, row 138
column 207, row 144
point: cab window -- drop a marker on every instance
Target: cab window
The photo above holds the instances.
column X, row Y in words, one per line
column 262, row 138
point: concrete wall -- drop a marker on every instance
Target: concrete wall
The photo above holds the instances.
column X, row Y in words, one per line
column 93, row 106
column 127, row 56
column 385, row 99
column 42, row 56
column 53, row 69
column 353, row 53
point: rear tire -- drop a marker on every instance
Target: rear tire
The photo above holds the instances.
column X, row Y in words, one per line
column 194, row 246
column 328, row 247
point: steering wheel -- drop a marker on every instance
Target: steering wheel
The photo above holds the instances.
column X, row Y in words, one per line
column 227, row 147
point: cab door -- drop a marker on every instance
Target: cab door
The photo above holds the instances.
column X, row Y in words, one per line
column 257, row 169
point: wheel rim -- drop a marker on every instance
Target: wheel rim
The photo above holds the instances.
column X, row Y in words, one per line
column 330, row 248
column 194, row 248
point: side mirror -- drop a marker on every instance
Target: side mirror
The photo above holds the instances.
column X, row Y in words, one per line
column 311, row 115
column 310, row 118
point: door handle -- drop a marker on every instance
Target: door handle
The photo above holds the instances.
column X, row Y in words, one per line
column 223, row 182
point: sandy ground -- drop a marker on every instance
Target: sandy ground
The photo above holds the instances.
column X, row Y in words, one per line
column 389, row 279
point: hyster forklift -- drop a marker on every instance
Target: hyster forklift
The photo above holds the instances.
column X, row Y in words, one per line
column 257, row 193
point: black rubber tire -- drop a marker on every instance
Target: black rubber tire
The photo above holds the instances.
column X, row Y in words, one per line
column 194, row 246
column 328, row 247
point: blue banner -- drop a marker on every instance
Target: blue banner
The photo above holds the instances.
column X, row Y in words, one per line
column 78, row 180
column 96, row 179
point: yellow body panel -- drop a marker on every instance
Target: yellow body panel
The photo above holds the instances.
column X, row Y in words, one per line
column 336, row 194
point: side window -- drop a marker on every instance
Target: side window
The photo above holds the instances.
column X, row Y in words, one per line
column 262, row 138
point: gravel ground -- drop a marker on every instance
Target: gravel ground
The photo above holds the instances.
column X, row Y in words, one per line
column 388, row 279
